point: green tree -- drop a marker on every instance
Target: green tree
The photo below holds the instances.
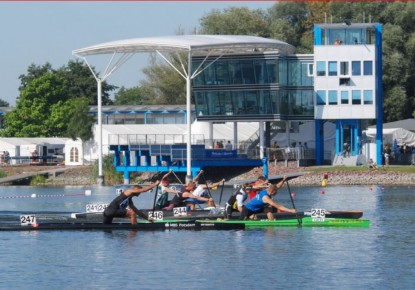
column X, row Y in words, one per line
column 4, row 103
column 237, row 21
column 131, row 96
column 80, row 81
column 80, row 122
column 34, row 106
column 395, row 104
column 163, row 85
column 82, row 84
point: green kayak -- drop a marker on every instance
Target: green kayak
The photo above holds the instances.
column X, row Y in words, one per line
column 304, row 222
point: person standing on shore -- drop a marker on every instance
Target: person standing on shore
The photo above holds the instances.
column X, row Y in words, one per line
column 123, row 206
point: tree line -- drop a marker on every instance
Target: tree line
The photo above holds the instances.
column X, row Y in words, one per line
column 54, row 102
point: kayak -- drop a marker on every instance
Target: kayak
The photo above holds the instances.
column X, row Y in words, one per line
column 214, row 214
column 141, row 225
column 189, row 224
column 301, row 222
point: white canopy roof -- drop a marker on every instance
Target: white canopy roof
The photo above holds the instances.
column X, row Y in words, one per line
column 197, row 44
column 389, row 135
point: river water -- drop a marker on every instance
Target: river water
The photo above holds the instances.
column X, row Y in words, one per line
column 379, row 257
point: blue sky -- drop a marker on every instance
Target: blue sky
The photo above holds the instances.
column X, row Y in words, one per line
column 40, row 32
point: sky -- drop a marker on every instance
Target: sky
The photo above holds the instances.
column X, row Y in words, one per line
column 41, row 32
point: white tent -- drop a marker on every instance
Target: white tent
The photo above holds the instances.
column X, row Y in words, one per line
column 389, row 135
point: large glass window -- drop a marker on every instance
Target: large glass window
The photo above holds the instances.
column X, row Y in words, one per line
column 222, row 73
column 344, row 97
column 294, row 73
column 260, row 71
column 282, row 72
column 332, row 68
column 356, row 97
column 336, row 36
column 321, row 98
column 368, row 97
column 248, row 75
column 367, row 68
column 356, row 70
column 272, row 71
column 235, row 72
column 321, row 68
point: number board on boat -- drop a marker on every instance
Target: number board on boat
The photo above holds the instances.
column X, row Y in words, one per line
column 97, row 207
column 156, row 215
column 318, row 215
column 27, row 220
column 180, row 211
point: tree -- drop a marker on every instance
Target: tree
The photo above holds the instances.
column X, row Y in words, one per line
column 4, row 103
column 237, row 21
column 37, row 99
column 80, row 123
column 82, row 84
column 396, row 104
column 131, row 96
column 163, row 84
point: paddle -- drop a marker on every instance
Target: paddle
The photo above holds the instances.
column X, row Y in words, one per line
column 177, row 178
column 221, row 192
column 155, row 198
column 207, row 187
column 292, row 201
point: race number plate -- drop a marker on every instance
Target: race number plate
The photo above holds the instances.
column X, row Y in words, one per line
column 180, row 211
column 156, row 215
column 318, row 215
column 99, row 207
column 27, row 220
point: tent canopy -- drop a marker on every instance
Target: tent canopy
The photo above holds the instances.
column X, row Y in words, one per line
column 197, row 44
column 389, row 135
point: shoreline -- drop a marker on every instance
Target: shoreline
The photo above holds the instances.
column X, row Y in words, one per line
column 83, row 175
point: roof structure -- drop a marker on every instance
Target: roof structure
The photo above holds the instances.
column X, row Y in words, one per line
column 197, row 44
column 408, row 124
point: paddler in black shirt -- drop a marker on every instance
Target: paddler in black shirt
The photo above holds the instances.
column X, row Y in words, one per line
column 123, row 206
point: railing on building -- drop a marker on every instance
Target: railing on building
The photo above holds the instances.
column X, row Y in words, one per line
column 160, row 145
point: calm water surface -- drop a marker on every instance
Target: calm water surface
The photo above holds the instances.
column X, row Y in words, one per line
column 381, row 257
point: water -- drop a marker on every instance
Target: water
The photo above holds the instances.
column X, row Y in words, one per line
column 381, row 257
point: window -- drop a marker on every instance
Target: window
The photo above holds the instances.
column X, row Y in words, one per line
column 74, row 155
column 368, row 97
column 344, row 68
column 356, row 71
column 344, row 97
column 310, row 69
column 332, row 97
column 321, row 68
column 367, row 68
column 332, row 68
column 321, row 98
column 356, row 98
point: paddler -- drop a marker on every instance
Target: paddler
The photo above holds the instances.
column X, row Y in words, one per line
column 203, row 190
column 185, row 193
column 164, row 190
column 263, row 202
column 236, row 201
column 123, row 206
column 258, row 185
